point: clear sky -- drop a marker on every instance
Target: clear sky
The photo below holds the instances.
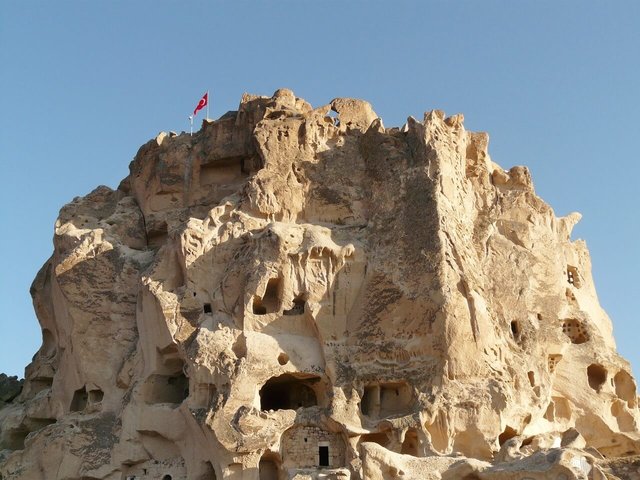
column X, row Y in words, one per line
column 556, row 84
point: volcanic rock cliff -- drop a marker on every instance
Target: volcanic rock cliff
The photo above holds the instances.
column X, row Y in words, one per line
column 303, row 293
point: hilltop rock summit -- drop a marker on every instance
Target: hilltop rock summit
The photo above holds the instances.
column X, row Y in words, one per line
column 301, row 293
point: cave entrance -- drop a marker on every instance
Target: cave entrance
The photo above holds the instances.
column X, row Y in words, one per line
column 79, row 401
column 288, row 392
column 171, row 389
column 269, row 467
column 157, row 235
column 95, row 396
column 507, row 434
column 597, row 376
column 298, row 306
column 386, row 399
column 270, row 301
column 410, row 443
column 625, row 388
column 309, row 446
column 323, row 455
column 381, row 438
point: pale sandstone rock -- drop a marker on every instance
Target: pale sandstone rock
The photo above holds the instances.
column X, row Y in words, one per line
column 286, row 294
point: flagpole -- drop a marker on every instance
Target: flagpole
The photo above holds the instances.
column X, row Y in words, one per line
column 191, row 125
column 207, row 104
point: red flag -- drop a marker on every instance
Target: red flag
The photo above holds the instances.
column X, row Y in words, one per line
column 202, row 103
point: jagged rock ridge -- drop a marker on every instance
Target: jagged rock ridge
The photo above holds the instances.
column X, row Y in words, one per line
column 294, row 294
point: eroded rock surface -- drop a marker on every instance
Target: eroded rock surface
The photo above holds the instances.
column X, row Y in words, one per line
column 10, row 388
column 296, row 293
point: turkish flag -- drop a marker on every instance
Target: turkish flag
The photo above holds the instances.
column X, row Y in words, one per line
column 202, row 103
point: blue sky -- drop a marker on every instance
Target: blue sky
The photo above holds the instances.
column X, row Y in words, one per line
column 84, row 84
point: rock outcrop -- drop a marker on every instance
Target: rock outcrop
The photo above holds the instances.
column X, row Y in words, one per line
column 10, row 388
column 303, row 293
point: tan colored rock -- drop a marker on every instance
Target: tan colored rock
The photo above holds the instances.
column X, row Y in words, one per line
column 285, row 294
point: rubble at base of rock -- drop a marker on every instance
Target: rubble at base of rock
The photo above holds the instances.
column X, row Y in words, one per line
column 302, row 293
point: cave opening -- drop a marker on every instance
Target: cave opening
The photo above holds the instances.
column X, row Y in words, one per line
column 515, row 329
column 79, row 401
column 381, row 400
column 507, row 434
column 173, row 389
column 270, row 301
column 625, row 388
column 597, row 376
column 288, row 392
column 410, row 443
column 269, row 467
column 323, row 455
column 298, row 306
column 572, row 276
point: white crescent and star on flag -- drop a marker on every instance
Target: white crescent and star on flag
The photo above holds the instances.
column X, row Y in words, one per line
column 202, row 103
